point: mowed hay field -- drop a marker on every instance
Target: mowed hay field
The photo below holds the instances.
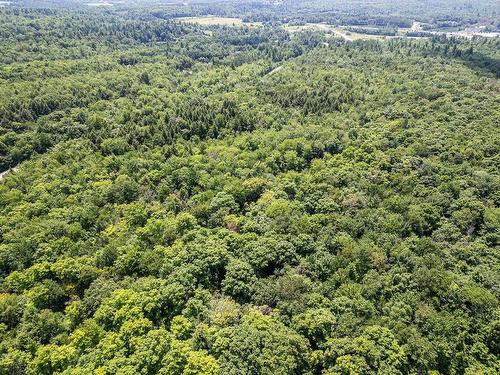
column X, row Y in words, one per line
column 225, row 21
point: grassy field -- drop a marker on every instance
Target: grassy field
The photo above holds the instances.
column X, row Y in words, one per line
column 335, row 31
column 332, row 30
column 224, row 21
column 350, row 35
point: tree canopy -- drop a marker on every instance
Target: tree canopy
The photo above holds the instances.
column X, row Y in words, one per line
column 193, row 199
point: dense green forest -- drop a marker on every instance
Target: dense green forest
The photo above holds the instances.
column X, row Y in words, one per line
column 438, row 13
column 187, row 199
